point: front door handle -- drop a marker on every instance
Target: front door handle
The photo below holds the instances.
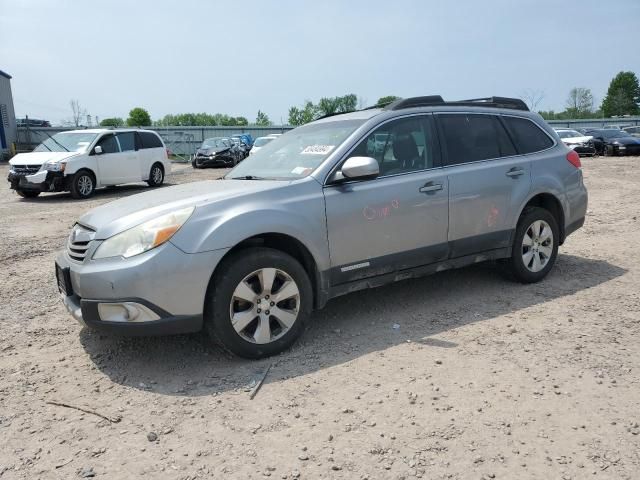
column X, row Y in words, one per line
column 430, row 187
column 515, row 172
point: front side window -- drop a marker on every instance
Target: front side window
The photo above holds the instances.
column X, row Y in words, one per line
column 399, row 146
column 297, row 153
column 108, row 144
column 529, row 138
column 127, row 141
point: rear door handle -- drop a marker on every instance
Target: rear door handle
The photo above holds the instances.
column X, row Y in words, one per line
column 515, row 172
column 430, row 187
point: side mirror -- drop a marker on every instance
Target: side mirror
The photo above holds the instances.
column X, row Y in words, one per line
column 98, row 150
column 360, row 168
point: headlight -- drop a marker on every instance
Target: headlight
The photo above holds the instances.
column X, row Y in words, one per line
column 145, row 236
column 54, row 166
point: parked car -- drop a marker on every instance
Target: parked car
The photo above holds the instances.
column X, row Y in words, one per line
column 32, row 122
column 582, row 144
column 242, row 147
column 615, row 142
column 259, row 143
column 318, row 214
column 79, row 161
column 633, row 131
column 245, row 138
column 217, row 152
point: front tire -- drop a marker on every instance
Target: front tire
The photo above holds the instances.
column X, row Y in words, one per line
column 156, row 175
column 535, row 246
column 258, row 302
column 83, row 184
column 28, row 193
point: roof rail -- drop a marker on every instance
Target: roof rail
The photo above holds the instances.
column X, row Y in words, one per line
column 500, row 102
column 415, row 102
column 497, row 102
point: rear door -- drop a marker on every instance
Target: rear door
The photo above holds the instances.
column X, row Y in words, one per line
column 486, row 178
column 398, row 220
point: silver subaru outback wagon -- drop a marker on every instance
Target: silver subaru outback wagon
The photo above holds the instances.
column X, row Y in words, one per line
column 347, row 202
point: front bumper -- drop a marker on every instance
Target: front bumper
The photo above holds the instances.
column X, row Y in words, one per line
column 217, row 161
column 166, row 283
column 43, row 181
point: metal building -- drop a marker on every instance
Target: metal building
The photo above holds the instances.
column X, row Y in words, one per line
column 8, row 130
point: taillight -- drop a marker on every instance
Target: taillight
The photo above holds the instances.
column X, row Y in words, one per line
column 574, row 159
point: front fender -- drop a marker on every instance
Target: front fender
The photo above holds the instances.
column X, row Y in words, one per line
column 297, row 211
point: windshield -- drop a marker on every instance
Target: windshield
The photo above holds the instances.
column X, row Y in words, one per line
column 67, row 142
column 569, row 134
column 262, row 141
column 297, row 153
column 215, row 143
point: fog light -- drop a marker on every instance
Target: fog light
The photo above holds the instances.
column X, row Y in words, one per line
column 126, row 312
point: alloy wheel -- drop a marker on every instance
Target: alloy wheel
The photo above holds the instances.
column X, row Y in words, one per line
column 85, row 185
column 537, row 246
column 265, row 305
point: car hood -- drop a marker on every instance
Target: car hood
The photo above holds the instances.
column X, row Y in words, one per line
column 209, row 151
column 577, row 139
column 625, row 140
column 115, row 217
column 38, row 158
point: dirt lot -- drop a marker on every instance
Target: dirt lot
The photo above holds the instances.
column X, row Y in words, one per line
column 482, row 379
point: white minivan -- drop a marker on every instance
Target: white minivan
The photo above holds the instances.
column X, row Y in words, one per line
column 79, row 161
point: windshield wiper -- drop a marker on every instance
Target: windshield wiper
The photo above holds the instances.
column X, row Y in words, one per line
column 248, row 177
column 57, row 142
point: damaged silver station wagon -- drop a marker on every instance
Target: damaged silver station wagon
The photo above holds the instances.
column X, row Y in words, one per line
column 346, row 202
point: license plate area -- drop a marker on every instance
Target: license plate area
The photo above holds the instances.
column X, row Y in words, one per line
column 63, row 277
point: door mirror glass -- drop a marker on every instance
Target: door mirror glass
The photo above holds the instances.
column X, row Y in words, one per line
column 360, row 168
column 98, row 150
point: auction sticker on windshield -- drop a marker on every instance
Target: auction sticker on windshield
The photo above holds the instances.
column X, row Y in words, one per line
column 317, row 149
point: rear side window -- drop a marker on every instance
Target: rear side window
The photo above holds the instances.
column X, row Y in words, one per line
column 108, row 144
column 150, row 140
column 470, row 138
column 527, row 135
column 127, row 141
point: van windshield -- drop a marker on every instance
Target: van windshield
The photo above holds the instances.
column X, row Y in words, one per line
column 67, row 142
column 297, row 153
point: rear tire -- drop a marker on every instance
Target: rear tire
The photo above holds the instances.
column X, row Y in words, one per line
column 83, row 184
column 535, row 246
column 156, row 175
column 28, row 193
column 248, row 317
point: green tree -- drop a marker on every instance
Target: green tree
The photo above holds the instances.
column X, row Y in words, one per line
column 262, row 119
column 300, row 116
column 383, row 101
column 579, row 103
column 139, row 117
column 623, row 95
column 112, row 122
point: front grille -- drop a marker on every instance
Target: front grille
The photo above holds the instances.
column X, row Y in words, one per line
column 26, row 169
column 79, row 242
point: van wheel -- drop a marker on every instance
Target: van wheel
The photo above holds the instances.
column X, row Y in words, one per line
column 535, row 246
column 258, row 302
column 156, row 175
column 83, row 184
column 28, row 193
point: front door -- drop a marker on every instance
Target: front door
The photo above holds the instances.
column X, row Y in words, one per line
column 398, row 220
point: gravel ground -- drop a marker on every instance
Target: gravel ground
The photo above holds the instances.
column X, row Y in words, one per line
column 480, row 378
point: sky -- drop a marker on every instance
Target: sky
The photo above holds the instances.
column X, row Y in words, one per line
column 236, row 57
